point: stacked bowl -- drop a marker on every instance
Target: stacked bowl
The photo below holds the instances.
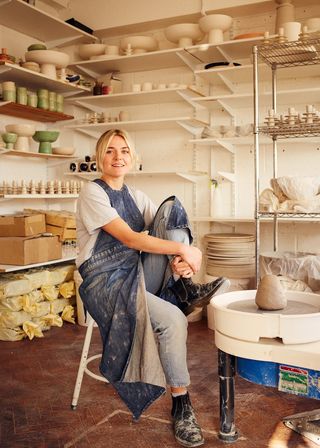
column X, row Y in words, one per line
column 230, row 255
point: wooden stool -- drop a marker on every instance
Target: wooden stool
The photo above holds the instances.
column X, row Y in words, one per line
column 84, row 361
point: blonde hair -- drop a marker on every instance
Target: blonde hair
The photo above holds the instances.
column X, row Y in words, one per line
column 104, row 141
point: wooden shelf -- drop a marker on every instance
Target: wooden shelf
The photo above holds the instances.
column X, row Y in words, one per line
column 31, row 113
column 68, row 255
column 38, row 155
column 39, row 196
column 27, row 19
column 34, row 80
column 191, row 176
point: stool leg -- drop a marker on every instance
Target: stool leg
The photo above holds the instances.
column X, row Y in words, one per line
column 82, row 365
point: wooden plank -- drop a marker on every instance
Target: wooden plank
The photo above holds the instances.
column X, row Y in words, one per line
column 32, row 113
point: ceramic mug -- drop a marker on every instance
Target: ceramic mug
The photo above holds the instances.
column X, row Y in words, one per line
column 112, row 49
column 146, row 86
column 136, row 88
column 292, row 30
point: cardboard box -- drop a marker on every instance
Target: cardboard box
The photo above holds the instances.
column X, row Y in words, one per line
column 60, row 218
column 22, row 224
column 29, row 250
column 64, row 233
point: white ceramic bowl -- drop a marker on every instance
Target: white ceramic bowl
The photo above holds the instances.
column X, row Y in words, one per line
column 63, row 150
column 25, row 130
column 56, row 58
column 215, row 25
column 87, row 50
column 313, row 24
column 34, row 66
column 183, row 34
column 139, row 44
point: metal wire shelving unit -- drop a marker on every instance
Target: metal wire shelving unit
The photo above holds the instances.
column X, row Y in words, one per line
column 305, row 51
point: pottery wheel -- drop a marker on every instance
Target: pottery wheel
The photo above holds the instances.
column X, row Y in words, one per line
column 293, row 307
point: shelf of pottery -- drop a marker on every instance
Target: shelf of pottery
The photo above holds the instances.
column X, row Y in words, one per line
column 290, row 196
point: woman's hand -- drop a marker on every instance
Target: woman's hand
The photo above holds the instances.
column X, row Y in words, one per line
column 180, row 267
column 192, row 256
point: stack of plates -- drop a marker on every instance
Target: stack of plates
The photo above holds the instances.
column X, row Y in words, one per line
column 230, row 255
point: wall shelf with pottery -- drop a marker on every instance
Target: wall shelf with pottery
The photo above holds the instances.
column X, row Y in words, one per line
column 31, row 113
column 155, row 96
column 27, row 19
column 95, row 130
column 12, row 152
column 35, row 80
column 191, row 176
column 39, row 196
column 233, row 50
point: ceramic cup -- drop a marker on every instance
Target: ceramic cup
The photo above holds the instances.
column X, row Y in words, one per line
column 146, row 86
column 162, row 86
column 313, row 24
column 112, row 49
column 292, row 30
column 124, row 115
column 136, row 87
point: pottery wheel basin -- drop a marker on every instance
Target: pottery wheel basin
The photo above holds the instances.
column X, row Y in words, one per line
column 236, row 315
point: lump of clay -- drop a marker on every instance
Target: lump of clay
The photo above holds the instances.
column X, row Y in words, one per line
column 270, row 294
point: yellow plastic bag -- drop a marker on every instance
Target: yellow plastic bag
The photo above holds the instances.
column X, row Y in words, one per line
column 50, row 292
column 12, row 334
column 67, row 289
column 68, row 314
column 32, row 330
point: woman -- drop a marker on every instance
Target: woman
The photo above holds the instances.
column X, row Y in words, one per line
column 126, row 273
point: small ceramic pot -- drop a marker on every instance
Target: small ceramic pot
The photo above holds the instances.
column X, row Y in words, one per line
column 291, row 30
column 9, row 138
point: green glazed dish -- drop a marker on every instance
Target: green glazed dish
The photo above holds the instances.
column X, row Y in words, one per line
column 37, row 47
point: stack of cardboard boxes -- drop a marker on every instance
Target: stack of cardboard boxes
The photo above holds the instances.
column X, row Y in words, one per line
column 23, row 240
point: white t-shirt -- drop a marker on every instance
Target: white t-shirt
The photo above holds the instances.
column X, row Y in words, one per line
column 94, row 211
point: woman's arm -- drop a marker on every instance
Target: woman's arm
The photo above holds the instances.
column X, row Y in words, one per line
column 120, row 230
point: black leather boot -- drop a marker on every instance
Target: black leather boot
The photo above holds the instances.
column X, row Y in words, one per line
column 186, row 429
column 190, row 295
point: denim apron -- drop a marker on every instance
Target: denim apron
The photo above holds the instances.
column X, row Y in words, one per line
column 113, row 292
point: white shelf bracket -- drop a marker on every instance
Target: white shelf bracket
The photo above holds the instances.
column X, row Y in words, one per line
column 226, row 81
column 191, row 177
column 227, row 176
column 188, row 59
column 194, row 130
column 189, row 100
column 92, row 134
column 87, row 71
column 224, row 53
column 89, row 106
column 227, row 108
column 226, row 145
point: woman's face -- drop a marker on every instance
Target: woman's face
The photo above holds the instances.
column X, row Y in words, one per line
column 117, row 159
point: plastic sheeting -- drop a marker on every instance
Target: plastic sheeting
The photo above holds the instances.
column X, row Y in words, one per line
column 297, row 266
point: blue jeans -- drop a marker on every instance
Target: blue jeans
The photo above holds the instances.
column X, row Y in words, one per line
column 167, row 320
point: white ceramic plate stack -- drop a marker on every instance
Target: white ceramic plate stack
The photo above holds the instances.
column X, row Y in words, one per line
column 230, row 255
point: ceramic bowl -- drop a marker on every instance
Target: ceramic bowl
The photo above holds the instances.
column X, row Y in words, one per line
column 24, row 130
column 183, row 34
column 313, row 24
column 56, row 58
column 46, row 136
column 86, row 51
column 63, row 150
column 37, row 47
column 215, row 25
column 139, row 44
column 34, row 66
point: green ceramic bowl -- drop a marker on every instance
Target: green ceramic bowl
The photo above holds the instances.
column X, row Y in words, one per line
column 37, row 47
column 45, row 136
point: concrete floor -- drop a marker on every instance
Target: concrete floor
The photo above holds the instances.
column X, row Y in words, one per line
column 37, row 379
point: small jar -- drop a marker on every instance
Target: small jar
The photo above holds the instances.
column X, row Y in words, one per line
column 52, row 101
column 84, row 166
column 43, row 103
column 59, row 103
column 22, row 95
column 97, row 88
column 32, row 99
